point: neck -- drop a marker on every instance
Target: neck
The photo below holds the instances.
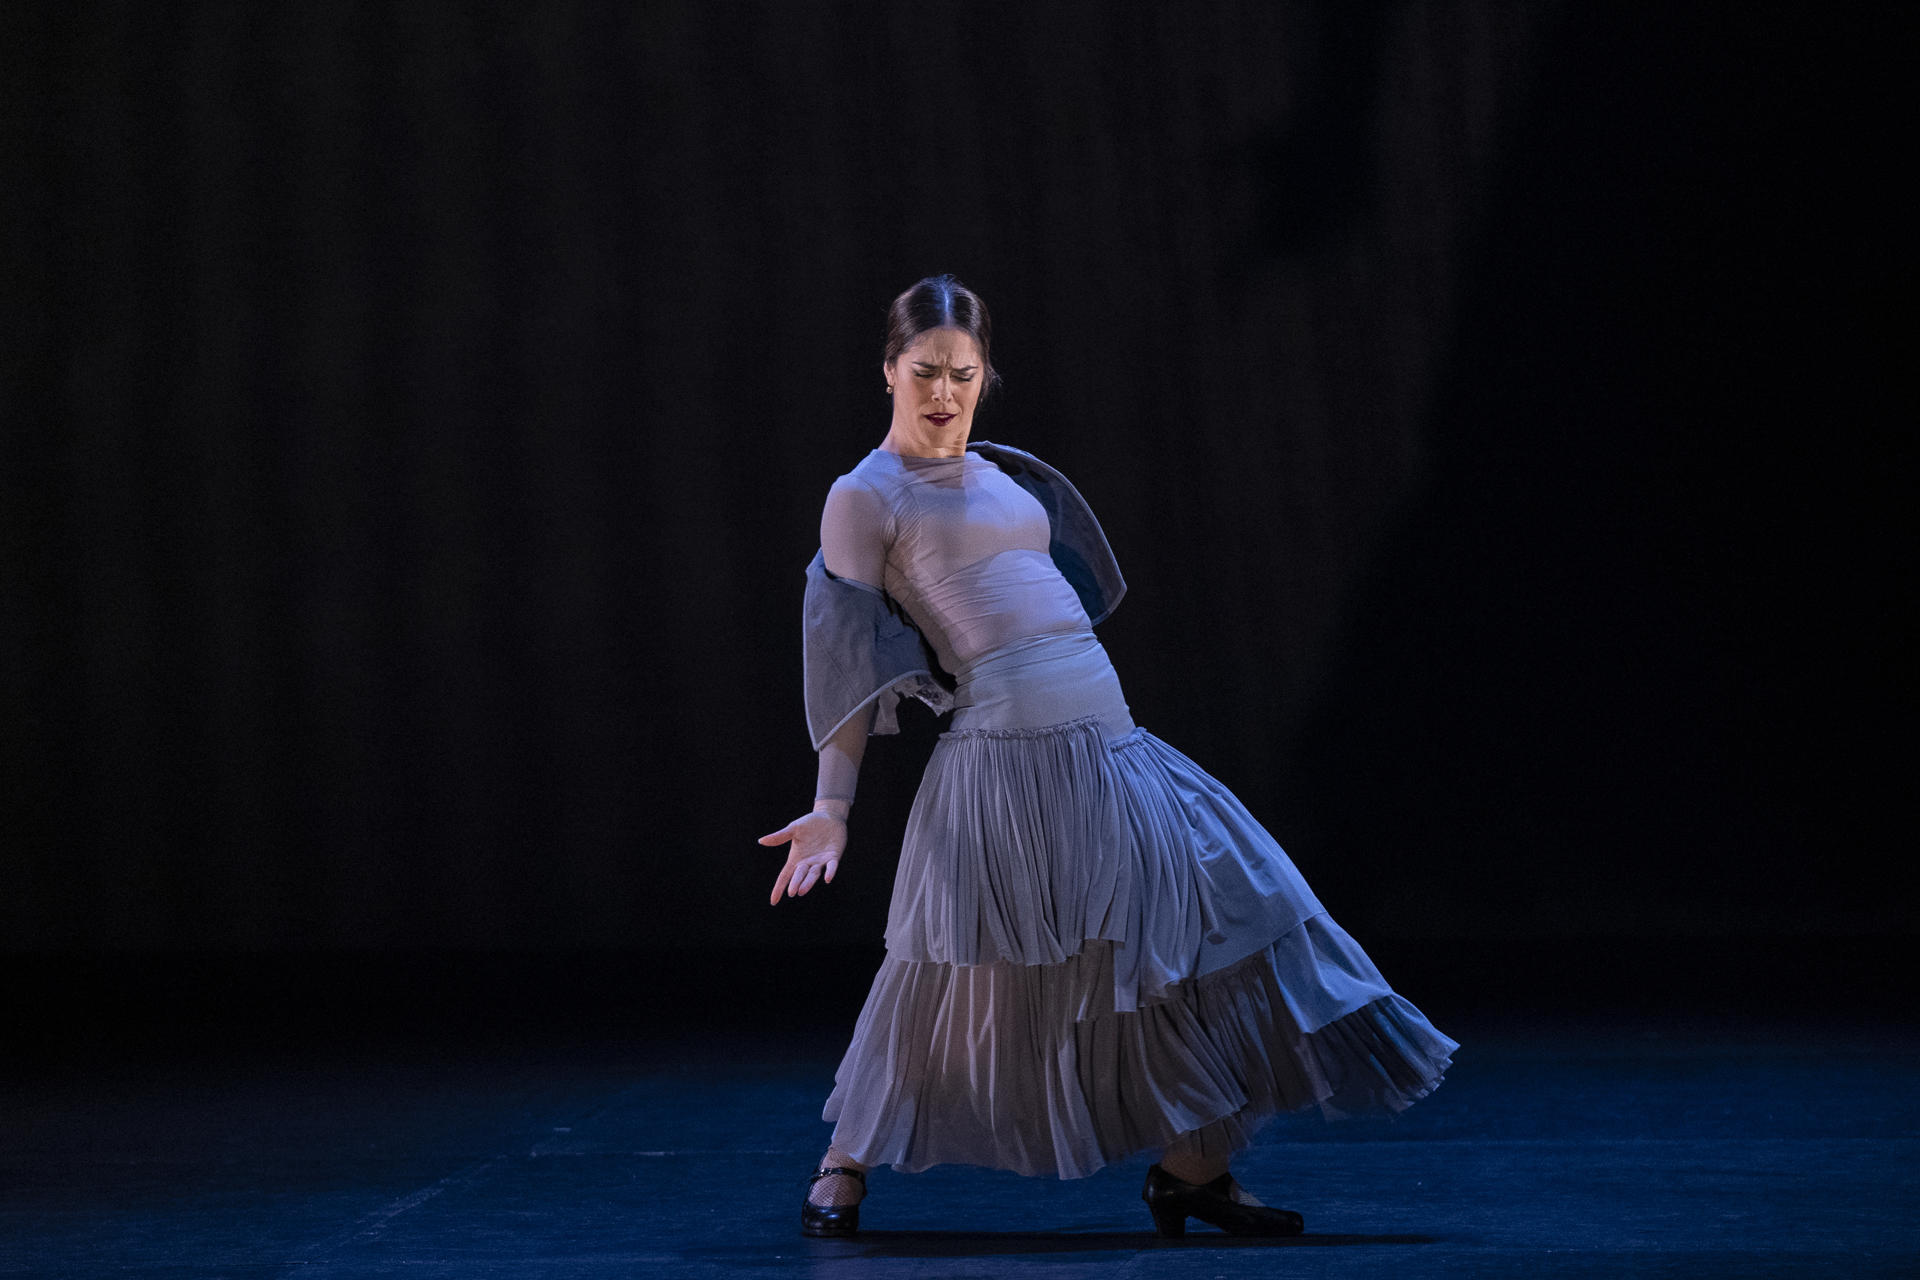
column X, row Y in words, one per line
column 923, row 444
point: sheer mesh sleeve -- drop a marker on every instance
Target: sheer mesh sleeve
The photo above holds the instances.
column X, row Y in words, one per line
column 840, row 759
column 853, row 531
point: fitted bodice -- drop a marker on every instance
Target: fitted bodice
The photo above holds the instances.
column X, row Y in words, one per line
column 959, row 545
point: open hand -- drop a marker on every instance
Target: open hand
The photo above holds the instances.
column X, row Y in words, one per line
column 818, row 839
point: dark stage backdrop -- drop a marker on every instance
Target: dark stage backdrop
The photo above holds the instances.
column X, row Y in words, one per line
column 416, row 418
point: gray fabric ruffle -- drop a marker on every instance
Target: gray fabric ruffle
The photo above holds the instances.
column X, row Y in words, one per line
column 1028, row 1068
column 1023, row 844
column 1092, row 948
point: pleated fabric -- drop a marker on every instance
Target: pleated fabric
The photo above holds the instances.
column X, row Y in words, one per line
column 1094, row 948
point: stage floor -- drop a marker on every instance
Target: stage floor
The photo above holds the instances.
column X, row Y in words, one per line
column 1609, row 1144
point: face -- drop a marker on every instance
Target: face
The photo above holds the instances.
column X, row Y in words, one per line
column 936, row 383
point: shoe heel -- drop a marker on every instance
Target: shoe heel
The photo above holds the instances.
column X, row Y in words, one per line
column 1169, row 1222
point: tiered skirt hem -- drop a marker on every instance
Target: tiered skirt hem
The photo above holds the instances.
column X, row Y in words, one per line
column 1093, row 949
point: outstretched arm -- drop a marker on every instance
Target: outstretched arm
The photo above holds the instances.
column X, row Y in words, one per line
column 853, row 541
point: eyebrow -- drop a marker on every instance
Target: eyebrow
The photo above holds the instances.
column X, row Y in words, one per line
column 963, row 368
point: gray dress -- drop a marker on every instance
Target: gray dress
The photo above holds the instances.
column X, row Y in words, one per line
column 1092, row 947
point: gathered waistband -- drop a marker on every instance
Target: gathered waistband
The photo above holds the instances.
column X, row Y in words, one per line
column 1084, row 723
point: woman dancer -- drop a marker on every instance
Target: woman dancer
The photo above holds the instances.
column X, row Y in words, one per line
column 1092, row 948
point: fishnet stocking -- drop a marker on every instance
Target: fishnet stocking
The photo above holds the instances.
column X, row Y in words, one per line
column 838, row 1190
column 1241, row 1195
column 1200, row 1157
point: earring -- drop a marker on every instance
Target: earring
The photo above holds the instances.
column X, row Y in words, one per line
column 889, row 388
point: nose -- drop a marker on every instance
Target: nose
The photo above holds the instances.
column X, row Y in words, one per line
column 943, row 389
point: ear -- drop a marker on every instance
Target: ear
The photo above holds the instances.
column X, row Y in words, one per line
column 886, row 371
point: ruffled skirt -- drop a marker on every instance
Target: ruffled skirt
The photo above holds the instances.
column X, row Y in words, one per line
column 1093, row 948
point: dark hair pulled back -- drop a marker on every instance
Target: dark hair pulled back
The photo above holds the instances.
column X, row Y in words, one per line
column 941, row 302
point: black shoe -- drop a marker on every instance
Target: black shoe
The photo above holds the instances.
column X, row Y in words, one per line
column 1172, row 1202
column 831, row 1219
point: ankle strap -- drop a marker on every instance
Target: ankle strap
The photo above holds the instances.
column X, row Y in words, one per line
column 828, row 1170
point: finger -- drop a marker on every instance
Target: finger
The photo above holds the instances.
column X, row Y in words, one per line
column 807, row 879
column 833, row 865
column 780, row 883
column 781, row 836
column 813, row 873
